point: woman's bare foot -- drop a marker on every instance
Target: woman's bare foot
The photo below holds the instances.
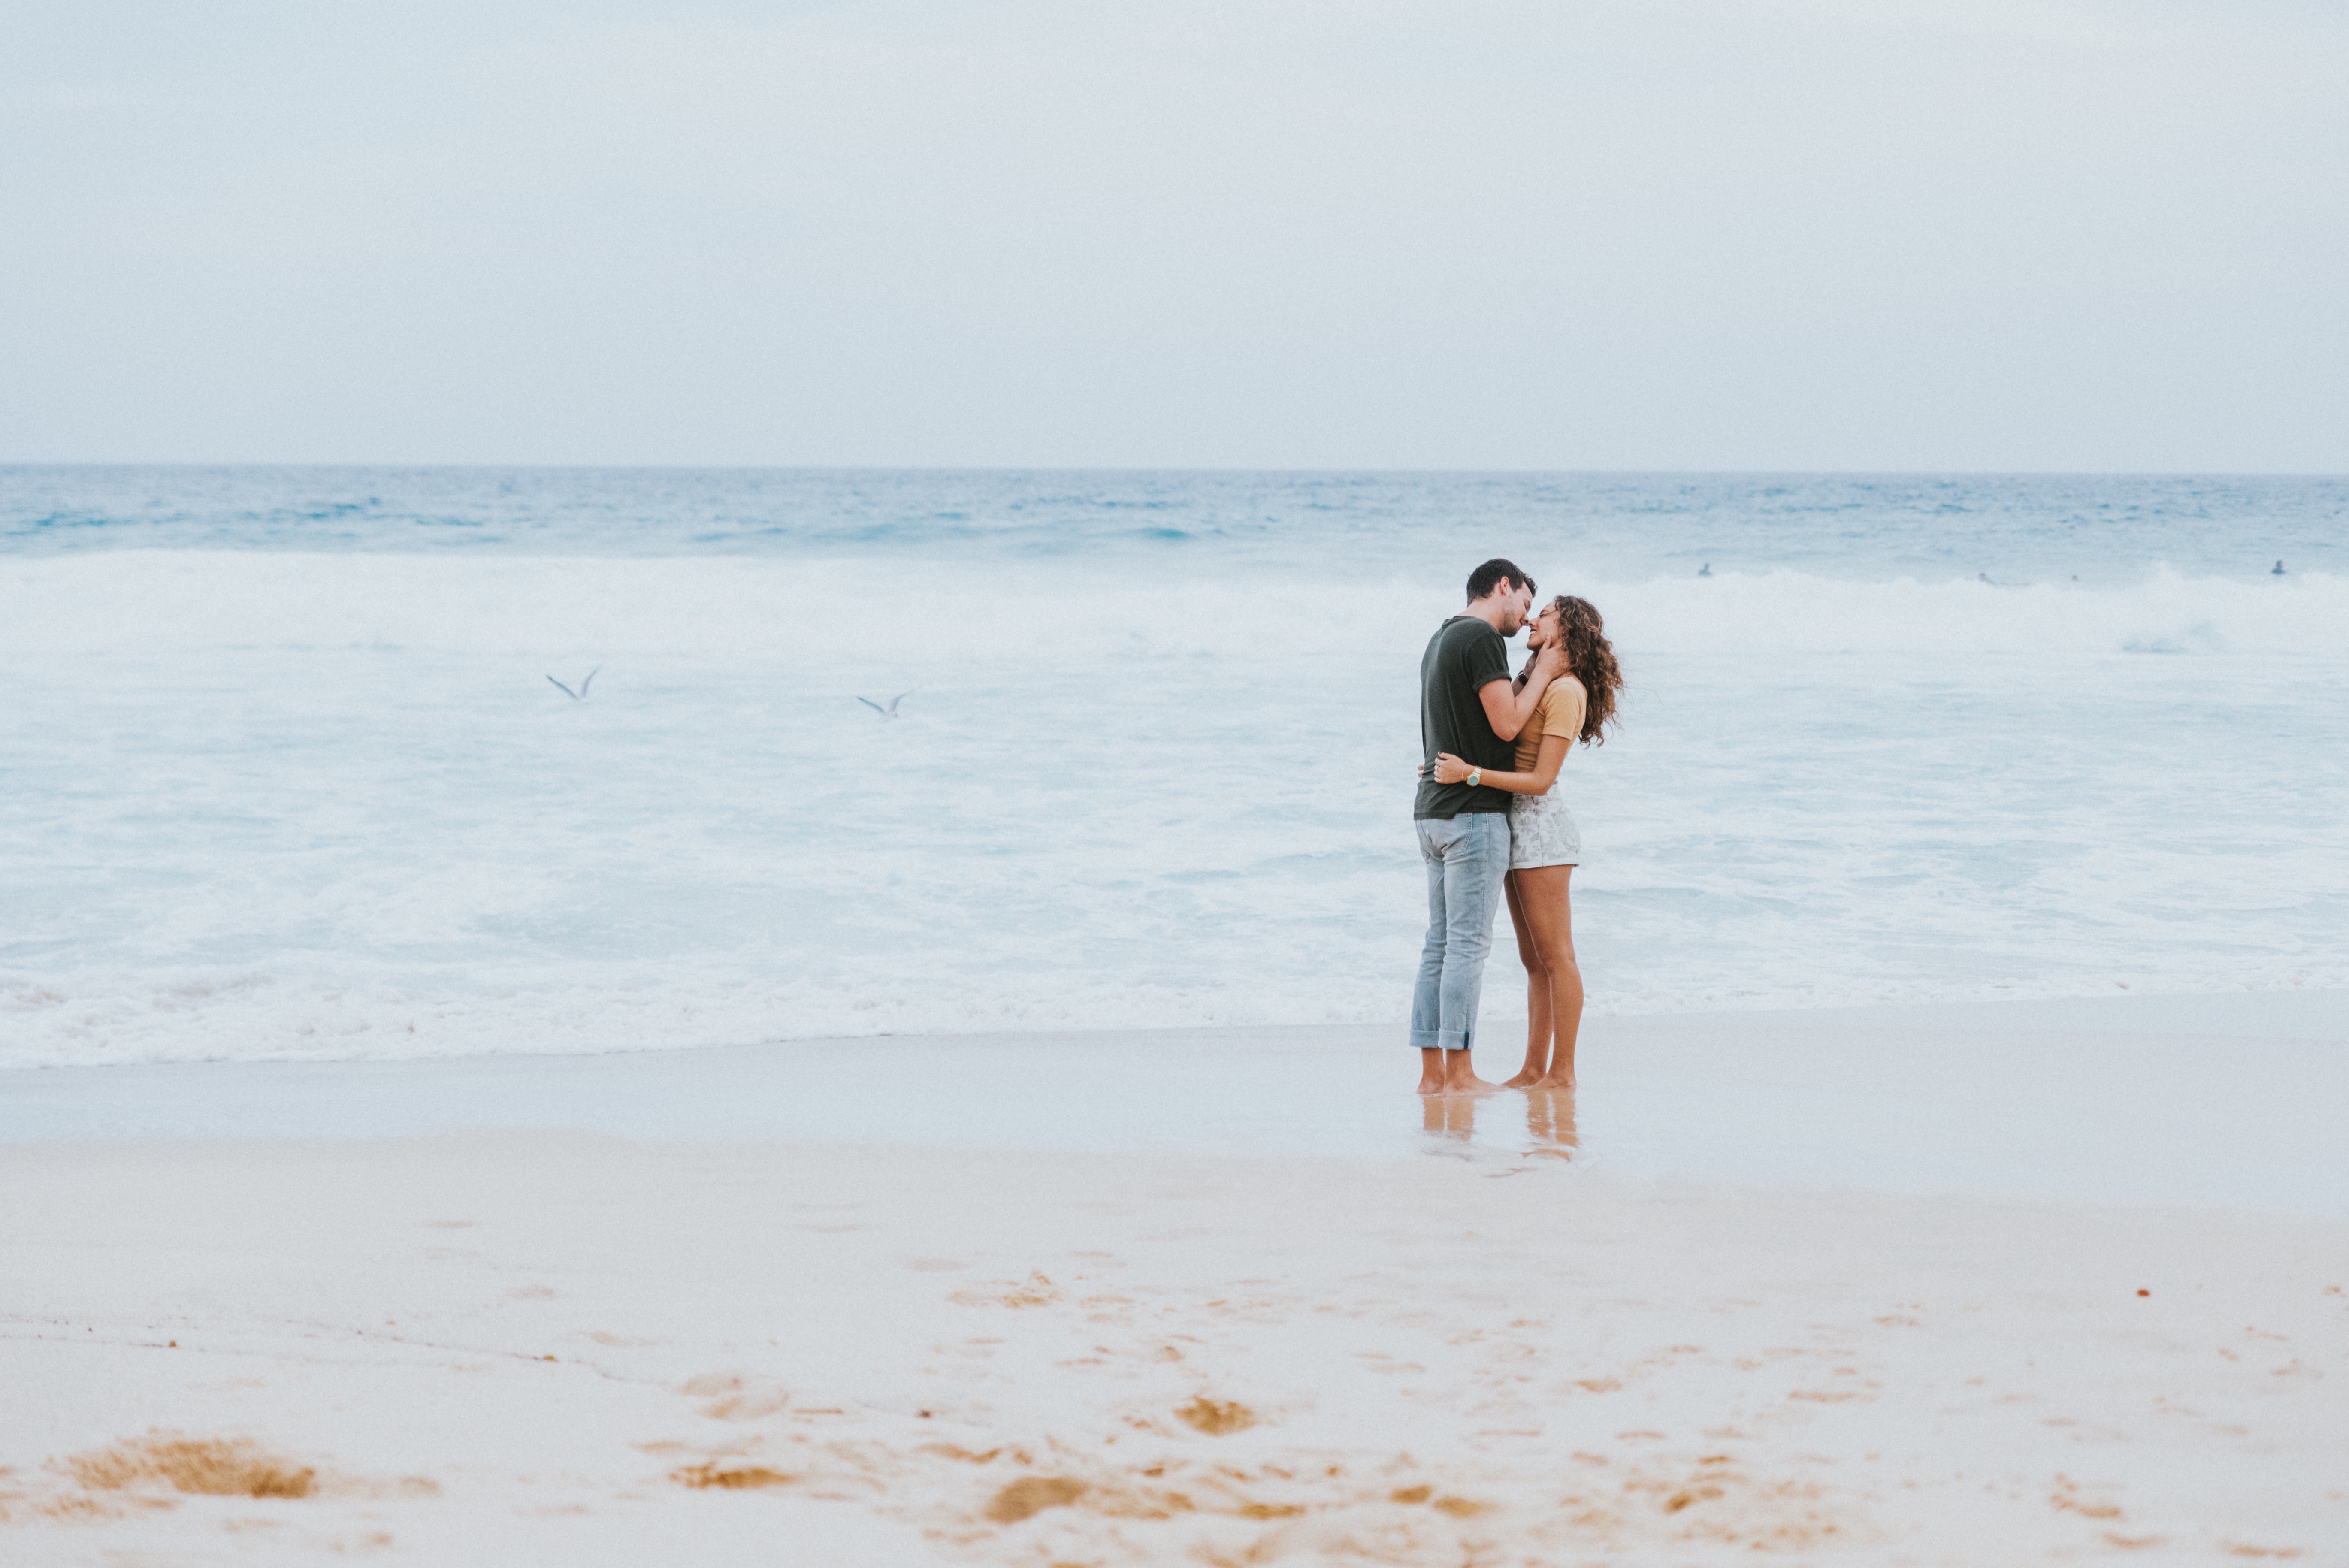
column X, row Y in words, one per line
column 1527, row 1078
column 1552, row 1081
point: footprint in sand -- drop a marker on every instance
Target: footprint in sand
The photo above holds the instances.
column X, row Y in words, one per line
column 736, row 1396
column 1217, row 1417
column 206, row 1467
column 1032, row 1495
column 1035, row 1291
column 730, row 1478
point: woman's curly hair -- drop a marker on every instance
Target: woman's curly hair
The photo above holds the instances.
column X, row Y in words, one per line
column 1591, row 659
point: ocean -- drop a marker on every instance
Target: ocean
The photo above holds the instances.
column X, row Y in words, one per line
column 286, row 777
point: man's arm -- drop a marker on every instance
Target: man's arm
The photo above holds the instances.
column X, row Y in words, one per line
column 1506, row 711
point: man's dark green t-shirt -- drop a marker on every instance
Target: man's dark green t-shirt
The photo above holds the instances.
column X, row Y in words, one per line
column 1464, row 656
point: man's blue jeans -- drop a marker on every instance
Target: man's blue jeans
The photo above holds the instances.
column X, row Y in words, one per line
column 1467, row 859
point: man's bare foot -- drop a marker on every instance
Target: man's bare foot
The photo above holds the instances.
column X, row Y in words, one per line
column 1430, row 1071
column 1460, row 1077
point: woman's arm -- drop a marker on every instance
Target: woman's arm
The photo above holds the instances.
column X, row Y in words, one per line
column 1450, row 769
column 1509, row 708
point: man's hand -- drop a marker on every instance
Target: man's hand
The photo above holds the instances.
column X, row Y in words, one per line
column 1553, row 661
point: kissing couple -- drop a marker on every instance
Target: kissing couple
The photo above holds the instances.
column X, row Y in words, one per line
column 1491, row 820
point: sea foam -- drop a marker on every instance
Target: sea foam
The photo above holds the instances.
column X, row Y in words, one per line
column 722, row 607
column 286, row 804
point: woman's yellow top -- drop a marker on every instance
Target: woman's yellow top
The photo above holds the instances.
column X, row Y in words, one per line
column 1559, row 712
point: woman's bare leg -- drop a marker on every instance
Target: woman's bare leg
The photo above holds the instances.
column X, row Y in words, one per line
column 1542, row 895
column 1538, row 1018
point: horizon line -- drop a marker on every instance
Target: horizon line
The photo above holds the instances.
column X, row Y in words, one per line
column 13, row 465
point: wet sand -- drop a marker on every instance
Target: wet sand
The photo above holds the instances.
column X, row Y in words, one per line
column 2218, row 1098
column 1523, row 1336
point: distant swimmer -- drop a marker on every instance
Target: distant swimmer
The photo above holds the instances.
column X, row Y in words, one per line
column 1705, row 570
column 579, row 696
column 1984, row 577
column 891, row 711
column 2277, row 569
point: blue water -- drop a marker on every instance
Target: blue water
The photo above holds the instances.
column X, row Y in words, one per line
column 1619, row 526
column 287, row 776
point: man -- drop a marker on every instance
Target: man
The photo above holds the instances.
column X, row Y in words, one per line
column 1466, row 707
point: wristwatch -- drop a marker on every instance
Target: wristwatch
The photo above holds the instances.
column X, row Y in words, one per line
column 1475, row 778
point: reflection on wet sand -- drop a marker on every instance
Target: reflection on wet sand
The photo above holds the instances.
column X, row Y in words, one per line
column 1451, row 1116
column 1549, row 1123
column 1550, row 1120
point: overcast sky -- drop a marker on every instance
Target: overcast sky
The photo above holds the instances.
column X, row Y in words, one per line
column 1807, row 234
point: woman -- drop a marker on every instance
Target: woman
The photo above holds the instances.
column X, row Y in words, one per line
column 1545, row 845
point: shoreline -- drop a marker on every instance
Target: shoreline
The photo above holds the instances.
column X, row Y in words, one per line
column 1949, row 1290
column 2211, row 1098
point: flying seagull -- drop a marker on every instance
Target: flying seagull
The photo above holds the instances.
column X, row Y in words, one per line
column 891, row 711
column 579, row 696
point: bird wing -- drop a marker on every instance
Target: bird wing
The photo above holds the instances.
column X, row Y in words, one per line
column 588, row 682
column 565, row 690
column 900, row 697
column 873, row 706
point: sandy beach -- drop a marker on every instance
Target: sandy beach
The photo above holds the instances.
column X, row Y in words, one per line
column 1525, row 1332
column 752, row 751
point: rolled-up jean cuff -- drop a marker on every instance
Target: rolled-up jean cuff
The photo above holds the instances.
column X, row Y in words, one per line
column 1439, row 1039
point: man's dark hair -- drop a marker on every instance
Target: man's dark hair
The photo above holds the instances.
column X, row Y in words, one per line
column 1491, row 574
